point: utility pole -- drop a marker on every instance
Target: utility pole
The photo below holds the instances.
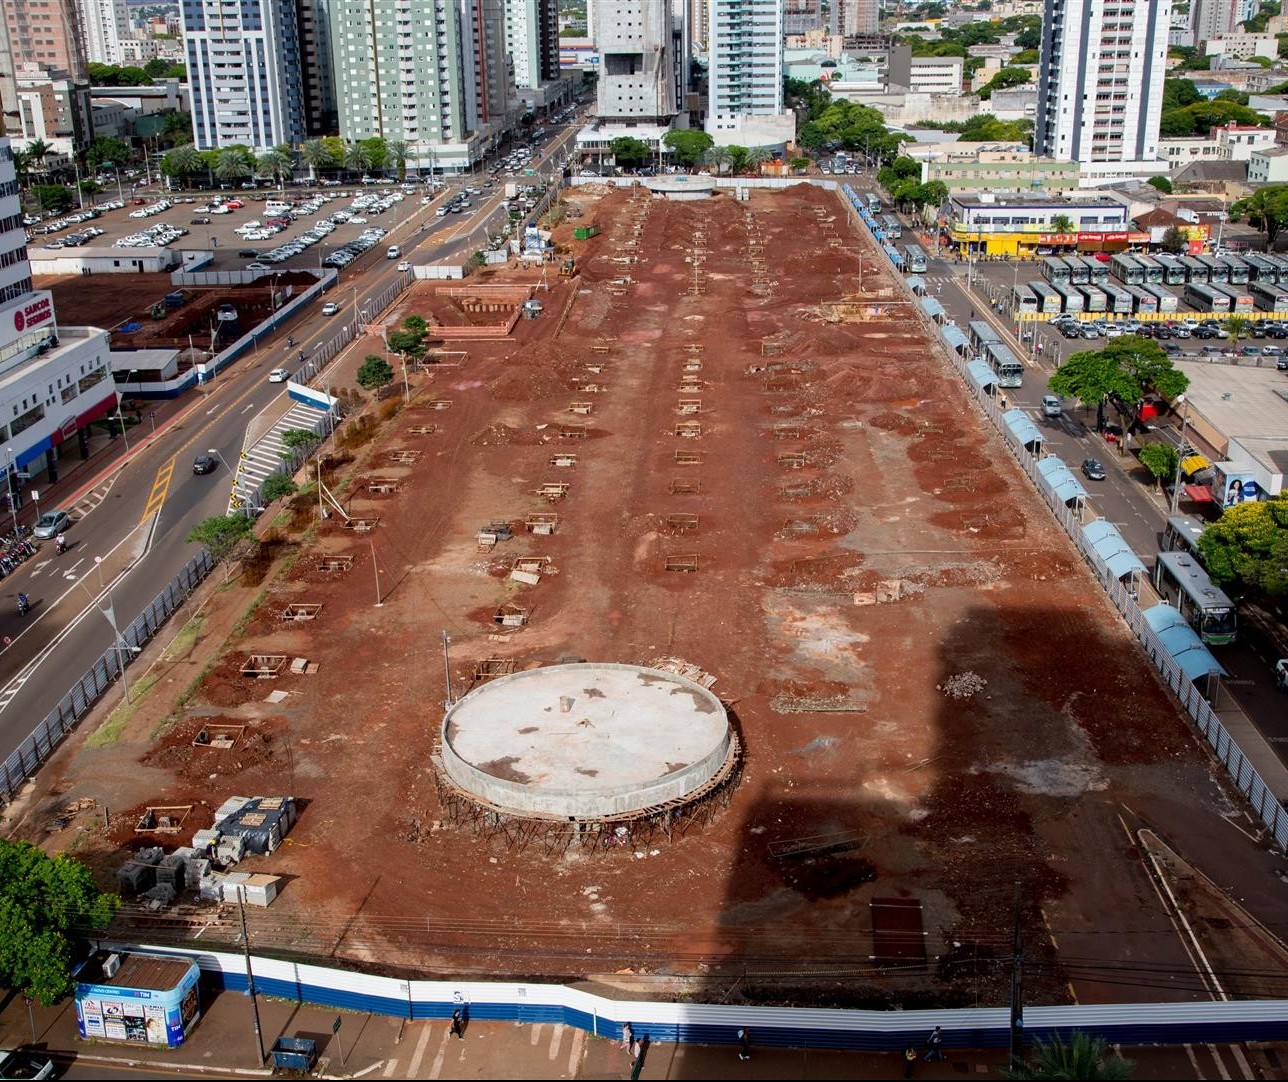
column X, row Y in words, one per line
column 1180, row 454
column 1017, row 989
column 250, row 975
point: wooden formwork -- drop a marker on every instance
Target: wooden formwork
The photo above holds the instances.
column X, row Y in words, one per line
column 553, row 490
column 384, row 486
column 792, row 460
column 683, row 562
column 689, row 430
column 790, row 430
column 681, row 523
column 582, row 409
column 688, row 458
column 689, row 385
column 541, row 522
column 263, row 665
column 405, row 457
column 335, row 563
column 602, row 348
column 439, row 404
column 301, row 611
column 692, row 366
column 681, row 486
column 162, row 819
column 361, row 525
column 491, row 667
column 511, row 615
column 572, row 431
column 219, row 737
column 689, row 405
column 564, row 460
column 422, row 430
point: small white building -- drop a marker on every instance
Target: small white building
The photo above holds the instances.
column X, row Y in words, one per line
column 104, row 260
column 1241, row 46
column 1268, row 166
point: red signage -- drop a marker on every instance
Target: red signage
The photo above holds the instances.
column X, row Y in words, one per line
column 33, row 314
column 1115, row 237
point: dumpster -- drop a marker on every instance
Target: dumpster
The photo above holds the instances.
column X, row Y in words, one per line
column 298, row 1054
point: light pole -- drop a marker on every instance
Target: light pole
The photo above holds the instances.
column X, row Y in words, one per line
column 1180, row 453
column 13, row 499
column 120, row 419
column 118, row 641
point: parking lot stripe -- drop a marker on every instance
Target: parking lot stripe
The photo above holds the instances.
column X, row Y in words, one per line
column 160, row 489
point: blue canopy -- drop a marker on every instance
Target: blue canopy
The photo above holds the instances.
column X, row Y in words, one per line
column 1182, row 642
column 1059, row 479
column 956, row 338
column 982, row 376
column 1102, row 538
column 933, row 308
column 1022, row 427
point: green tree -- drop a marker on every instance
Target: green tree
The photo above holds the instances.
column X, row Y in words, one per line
column 295, row 438
column 1247, row 548
column 46, row 903
column 277, row 485
column 182, row 162
column 52, row 197
column 396, row 153
column 1178, row 93
column 357, row 158
column 374, row 373
column 316, row 154
column 629, row 151
column 899, row 169
column 222, row 535
column 813, row 97
column 377, row 153
column 1027, row 56
column 986, row 128
column 1266, row 208
column 739, row 158
column 234, row 162
column 37, row 151
column 410, row 344
column 113, row 75
column 1237, row 326
column 1030, row 38
column 1172, row 241
column 688, row 145
column 107, row 149
column 798, row 165
column 277, row 163
column 1004, row 79
column 416, row 324
column 1161, row 183
column 1062, row 223
column 1080, row 1056
column 1160, row 459
column 1119, row 376
column 156, row 68
column 1236, row 96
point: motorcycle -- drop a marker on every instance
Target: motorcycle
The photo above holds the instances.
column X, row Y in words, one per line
column 24, row 606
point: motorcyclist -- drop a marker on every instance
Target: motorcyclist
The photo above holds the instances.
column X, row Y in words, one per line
column 61, row 542
column 24, row 605
column 290, row 341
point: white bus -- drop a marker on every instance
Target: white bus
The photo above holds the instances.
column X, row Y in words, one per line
column 1048, row 298
column 1127, row 269
column 1267, row 297
column 1167, row 300
column 1143, row 299
column 1023, row 302
column 1183, row 584
column 1206, row 299
column 1117, row 299
column 1152, row 268
column 1096, row 301
column 1071, row 299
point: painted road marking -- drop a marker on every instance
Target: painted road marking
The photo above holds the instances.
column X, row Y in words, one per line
column 40, row 566
column 419, row 1054
column 160, row 489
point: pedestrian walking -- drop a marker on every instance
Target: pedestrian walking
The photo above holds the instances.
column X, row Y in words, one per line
column 458, row 1025
column 744, row 1044
column 935, row 1045
column 628, row 1037
column 909, row 1061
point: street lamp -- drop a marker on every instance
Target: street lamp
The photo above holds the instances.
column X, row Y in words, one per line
column 120, row 419
column 1180, row 453
column 13, row 498
column 118, row 640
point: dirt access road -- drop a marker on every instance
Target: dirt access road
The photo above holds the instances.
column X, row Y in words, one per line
column 936, row 703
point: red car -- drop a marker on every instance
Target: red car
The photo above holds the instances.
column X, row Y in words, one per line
column 234, row 204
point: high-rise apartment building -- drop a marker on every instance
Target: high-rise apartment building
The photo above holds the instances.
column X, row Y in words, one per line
column 245, row 73
column 745, row 76
column 851, row 17
column 315, row 67
column 47, row 34
column 698, row 24
column 44, row 43
column 802, row 16
column 642, row 69
column 432, row 74
column 1100, row 95
column 532, row 41
column 106, row 24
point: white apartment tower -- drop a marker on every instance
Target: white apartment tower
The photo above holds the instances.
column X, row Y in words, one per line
column 532, row 40
column 745, row 77
column 641, row 68
column 1208, row 18
column 1101, row 91
column 105, row 24
column 244, row 72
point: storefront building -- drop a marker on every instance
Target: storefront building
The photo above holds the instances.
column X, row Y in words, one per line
column 146, row 999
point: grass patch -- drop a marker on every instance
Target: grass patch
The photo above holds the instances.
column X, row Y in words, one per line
column 239, row 629
column 110, row 731
column 187, row 693
column 183, row 642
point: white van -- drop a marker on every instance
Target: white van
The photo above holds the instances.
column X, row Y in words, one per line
column 394, row 252
column 275, row 208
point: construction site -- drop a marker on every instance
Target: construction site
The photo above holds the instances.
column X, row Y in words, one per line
column 694, row 633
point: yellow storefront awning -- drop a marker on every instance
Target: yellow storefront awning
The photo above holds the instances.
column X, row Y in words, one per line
column 1191, row 464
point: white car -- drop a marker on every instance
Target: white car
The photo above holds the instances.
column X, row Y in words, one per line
column 330, row 308
column 404, row 266
column 257, row 267
column 278, row 375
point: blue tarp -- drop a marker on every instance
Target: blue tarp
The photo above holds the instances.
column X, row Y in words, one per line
column 1059, row 479
column 933, row 308
column 955, row 337
column 981, row 374
column 1021, row 426
column 1182, row 642
column 1103, row 538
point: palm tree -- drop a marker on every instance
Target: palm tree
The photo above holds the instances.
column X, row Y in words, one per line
column 232, row 163
column 316, row 155
column 719, row 157
column 757, row 156
column 1062, row 223
column 22, row 167
column 278, row 163
column 396, row 152
column 37, row 151
column 1081, row 1056
column 357, row 158
column 184, row 161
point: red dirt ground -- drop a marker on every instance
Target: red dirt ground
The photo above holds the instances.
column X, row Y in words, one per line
column 843, row 700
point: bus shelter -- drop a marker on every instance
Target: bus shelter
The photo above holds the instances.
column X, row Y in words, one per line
column 933, row 309
column 1022, row 429
column 955, row 337
column 982, row 376
column 1184, row 646
column 1056, row 477
column 1102, row 539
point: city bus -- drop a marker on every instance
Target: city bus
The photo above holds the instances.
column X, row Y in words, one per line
column 1206, row 299
column 1167, row 300
column 1127, row 269
column 1118, row 300
column 1071, row 300
column 1097, row 270
column 1023, row 302
column 1055, row 270
column 891, row 226
column 874, row 204
column 1152, row 268
column 1278, row 262
column 1240, row 272
column 1173, row 269
column 1263, row 269
column 1006, row 366
column 1183, row 584
column 1194, row 270
column 1181, row 534
column 981, row 334
column 1048, row 298
column 915, row 257
column 1240, row 297
column 1218, row 272
column 1269, row 298
column 1095, row 299
column 1079, row 273
column 1142, row 299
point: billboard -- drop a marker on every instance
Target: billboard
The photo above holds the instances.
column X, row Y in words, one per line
column 31, row 312
column 1234, row 485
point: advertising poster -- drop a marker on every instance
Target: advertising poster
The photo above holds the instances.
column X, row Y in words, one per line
column 1237, row 488
column 91, row 1018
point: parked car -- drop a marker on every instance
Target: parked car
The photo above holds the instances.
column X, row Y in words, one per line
column 1250, row 351
column 1172, row 349
column 1272, row 351
column 404, row 266
column 51, row 524
column 1092, row 469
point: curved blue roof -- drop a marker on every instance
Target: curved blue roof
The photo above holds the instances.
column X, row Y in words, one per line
column 932, row 308
column 1102, row 538
column 981, row 374
column 955, row 337
column 1021, row 426
column 1059, row 479
column 1182, row 642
